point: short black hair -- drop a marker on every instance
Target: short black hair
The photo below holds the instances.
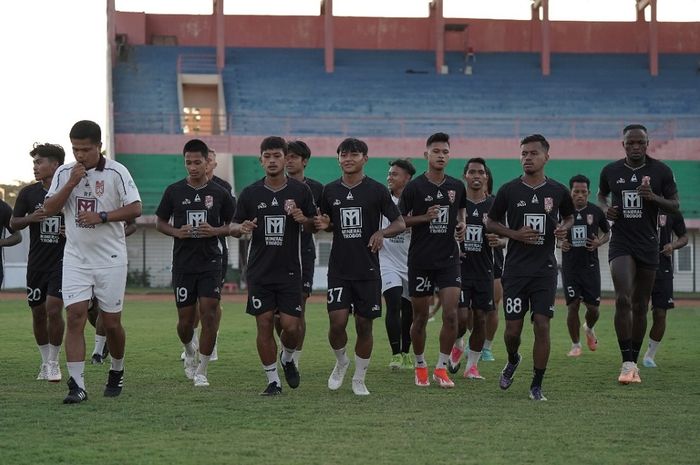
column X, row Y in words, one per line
column 405, row 164
column 630, row 127
column 86, row 129
column 474, row 160
column 300, row 148
column 536, row 138
column 438, row 137
column 196, row 145
column 52, row 151
column 579, row 178
column 272, row 143
column 352, row 145
column 489, row 182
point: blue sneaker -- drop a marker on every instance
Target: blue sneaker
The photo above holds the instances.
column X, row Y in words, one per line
column 487, row 355
column 536, row 393
column 649, row 363
column 507, row 374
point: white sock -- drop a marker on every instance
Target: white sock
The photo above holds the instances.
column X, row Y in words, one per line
column 459, row 343
column 297, row 356
column 420, row 361
column 287, row 354
column 190, row 349
column 651, row 351
column 53, row 352
column 341, row 356
column 361, row 365
column 488, row 343
column 204, row 363
column 44, row 351
column 272, row 374
column 99, row 344
column 195, row 339
column 576, row 345
column 442, row 361
column 117, row 364
column 472, row 358
column 76, row 370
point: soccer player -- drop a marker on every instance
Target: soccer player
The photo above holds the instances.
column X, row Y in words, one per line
column 45, row 261
column 352, row 207
column 13, row 238
column 201, row 211
column 97, row 195
column 297, row 158
column 640, row 187
column 580, row 272
column 476, row 296
column 530, row 205
column 274, row 209
column 433, row 204
column 492, row 317
column 662, row 294
column 393, row 261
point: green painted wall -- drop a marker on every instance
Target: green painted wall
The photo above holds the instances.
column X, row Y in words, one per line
column 152, row 173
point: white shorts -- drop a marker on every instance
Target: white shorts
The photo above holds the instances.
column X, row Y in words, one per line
column 107, row 285
column 392, row 278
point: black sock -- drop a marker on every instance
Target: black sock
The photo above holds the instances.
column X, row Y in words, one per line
column 512, row 358
column 636, row 346
column 537, row 376
column 625, row 349
column 393, row 318
column 406, row 321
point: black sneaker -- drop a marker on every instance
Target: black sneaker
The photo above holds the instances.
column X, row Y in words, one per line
column 115, row 381
column 508, row 373
column 97, row 359
column 76, row 394
column 272, row 389
column 291, row 374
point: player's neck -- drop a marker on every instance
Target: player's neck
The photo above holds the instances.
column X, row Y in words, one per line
column 197, row 182
column 298, row 176
column 46, row 183
column 476, row 196
column 397, row 193
column 275, row 180
column 436, row 176
column 352, row 179
column 635, row 163
column 534, row 179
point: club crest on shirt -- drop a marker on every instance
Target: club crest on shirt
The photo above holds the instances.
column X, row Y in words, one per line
column 451, row 194
column 208, row 201
column 662, row 220
column 99, row 188
column 289, row 205
column 483, row 219
column 548, row 204
column 589, row 219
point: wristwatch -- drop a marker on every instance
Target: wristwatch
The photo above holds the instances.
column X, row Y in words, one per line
column 103, row 216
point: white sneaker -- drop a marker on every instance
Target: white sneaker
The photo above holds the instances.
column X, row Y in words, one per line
column 359, row 388
column 200, row 381
column 43, row 372
column 335, row 380
column 214, row 354
column 190, row 366
column 183, row 355
column 53, row 373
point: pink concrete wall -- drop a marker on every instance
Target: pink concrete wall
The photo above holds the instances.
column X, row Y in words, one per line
column 604, row 149
column 485, row 35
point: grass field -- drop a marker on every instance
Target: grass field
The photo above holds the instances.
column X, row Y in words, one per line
column 162, row 419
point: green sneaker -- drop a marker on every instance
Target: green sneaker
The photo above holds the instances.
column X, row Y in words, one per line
column 396, row 361
column 487, row 355
column 407, row 361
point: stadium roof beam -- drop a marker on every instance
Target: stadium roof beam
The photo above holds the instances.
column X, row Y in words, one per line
column 653, row 33
column 436, row 12
column 328, row 45
column 220, row 34
column 546, row 47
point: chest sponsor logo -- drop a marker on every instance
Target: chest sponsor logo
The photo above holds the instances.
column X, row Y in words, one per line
column 662, row 220
column 631, row 204
column 538, row 222
column 274, row 229
column 99, row 188
column 84, row 204
column 50, row 229
column 196, row 217
column 439, row 225
column 351, row 222
column 578, row 236
column 474, row 238
column 208, row 202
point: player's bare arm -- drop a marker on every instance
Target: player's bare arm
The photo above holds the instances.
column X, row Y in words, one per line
column 677, row 244
column 125, row 213
column 322, row 222
column 563, row 227
column 611, row 213
column 670, row 205
column 55, row 203
column 18, row 223
column 427, row 217
column 461, row 227
column 13, row 239
column 240, row 229
column 525, row 234
column 396, row 227
column 164, row 226
column 496, row 241
column 593, row 243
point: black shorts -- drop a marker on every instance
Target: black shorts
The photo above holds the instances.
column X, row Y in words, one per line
column 583, row 285
column 277, row 297
column 362, row 297
column 662, row 294
column 476, row 294
column 189, row 287
column 528, row 293
column 423, row 283
column 647, row 259
column 43, row 283
column 308, row 262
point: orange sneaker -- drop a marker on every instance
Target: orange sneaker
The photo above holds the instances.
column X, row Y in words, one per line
column 574, row 352
column 591, row 339
column 472, row 373
column 627, row 373
column 422, row 377
column 440, row 376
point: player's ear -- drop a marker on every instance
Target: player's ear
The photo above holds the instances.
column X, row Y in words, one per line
column 425, row 154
